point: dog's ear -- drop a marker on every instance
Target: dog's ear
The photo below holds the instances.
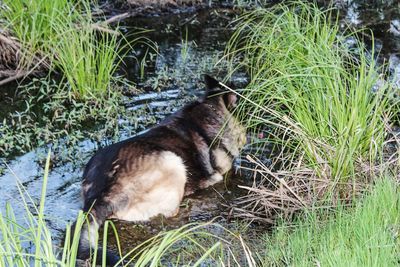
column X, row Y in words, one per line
column 211, row 83
column 214, row 88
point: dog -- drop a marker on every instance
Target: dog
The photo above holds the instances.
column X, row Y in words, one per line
column 149, row 174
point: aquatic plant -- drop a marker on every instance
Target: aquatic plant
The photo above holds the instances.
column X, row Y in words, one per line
column 185, row 47
column 50, row 115
column 315, row 92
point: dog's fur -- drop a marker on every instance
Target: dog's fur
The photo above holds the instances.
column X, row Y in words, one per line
column 149, row 174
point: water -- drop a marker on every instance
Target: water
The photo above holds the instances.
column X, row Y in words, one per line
column 383, row 19
column 189, row 45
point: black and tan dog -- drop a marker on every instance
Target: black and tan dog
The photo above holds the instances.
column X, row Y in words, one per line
column 149, row 174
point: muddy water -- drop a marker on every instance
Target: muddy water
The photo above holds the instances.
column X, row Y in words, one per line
column 188, row 46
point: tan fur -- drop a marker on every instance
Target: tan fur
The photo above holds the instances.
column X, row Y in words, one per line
column 85, row 189
column 223, row 161
column 215, row 178
column 159, row 185
column 234, row 137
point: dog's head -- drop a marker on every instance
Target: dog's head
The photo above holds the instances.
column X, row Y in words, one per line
column 222, row 101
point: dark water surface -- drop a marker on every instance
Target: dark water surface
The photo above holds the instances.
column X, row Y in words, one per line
column 189, row 45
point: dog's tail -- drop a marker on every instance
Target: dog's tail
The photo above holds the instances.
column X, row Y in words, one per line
column 88, row 235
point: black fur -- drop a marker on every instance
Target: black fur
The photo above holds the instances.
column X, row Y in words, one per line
column 191, row 133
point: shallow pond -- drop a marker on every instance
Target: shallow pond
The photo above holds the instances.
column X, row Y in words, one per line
column 188, row 46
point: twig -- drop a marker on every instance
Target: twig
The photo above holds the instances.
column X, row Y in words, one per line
column 282, row 181
column 116, row 18
column 100, row 25
column 19, row 74
column 104, row 29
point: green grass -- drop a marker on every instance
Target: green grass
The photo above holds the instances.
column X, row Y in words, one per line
column 312, row 90
column 32, row 23
column 87, row 58
column 17, row 234
column 366, row 235
column 64, row 34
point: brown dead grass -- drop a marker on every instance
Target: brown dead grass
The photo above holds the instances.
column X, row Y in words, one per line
column 9, row 54
column 11, row 62
column 281, row 193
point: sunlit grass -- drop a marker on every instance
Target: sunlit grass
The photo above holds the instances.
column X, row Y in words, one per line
column 26, row 241
column 317, row 90
column 364, row 235
column 32, row 23
column 87, row 58
column 64, row 34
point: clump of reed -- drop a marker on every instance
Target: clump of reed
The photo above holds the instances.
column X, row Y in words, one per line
column 62, row 35
column 88, row 58
column 31, row 22
column 317, row 95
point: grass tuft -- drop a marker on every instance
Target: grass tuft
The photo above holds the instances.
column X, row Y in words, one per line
column 65, row 35
column 365, row 235
column 321, row 101
column 32, row 23
column 87, row 58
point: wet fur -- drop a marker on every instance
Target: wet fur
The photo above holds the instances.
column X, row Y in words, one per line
column 149, row 174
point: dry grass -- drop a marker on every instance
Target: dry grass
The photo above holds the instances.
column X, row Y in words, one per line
column 322, row 105
column 282, row 193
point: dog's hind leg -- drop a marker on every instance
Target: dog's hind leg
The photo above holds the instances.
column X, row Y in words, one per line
column 89, row 234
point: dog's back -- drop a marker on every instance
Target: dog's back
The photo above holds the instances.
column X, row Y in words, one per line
column 149, row 174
